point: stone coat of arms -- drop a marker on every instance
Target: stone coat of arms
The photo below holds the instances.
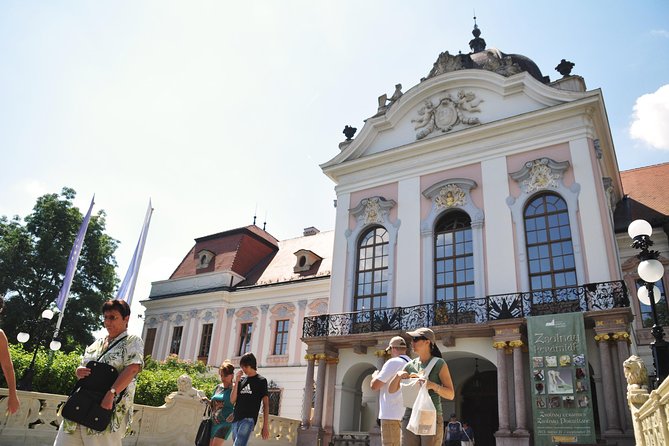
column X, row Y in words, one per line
column 448, row 112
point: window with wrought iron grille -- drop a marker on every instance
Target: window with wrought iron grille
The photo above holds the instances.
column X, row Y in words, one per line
column 371, row 278
column 245, row 338
column 274, row 400
column 550, row 253
column 453, row 258
column 281, row 337
column 176, row 340
column 661, row 306
column 205, row 340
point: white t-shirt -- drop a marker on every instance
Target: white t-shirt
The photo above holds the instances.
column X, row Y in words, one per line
column 391, row 406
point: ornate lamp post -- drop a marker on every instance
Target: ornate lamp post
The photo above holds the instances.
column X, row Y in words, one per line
column 40, row 329
column 650, row 271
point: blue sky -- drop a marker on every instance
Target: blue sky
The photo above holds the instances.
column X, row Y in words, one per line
column 217, row 110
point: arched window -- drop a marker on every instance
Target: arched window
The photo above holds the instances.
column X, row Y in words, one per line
column 453, row 258
column 371, row 278
column 550, row 253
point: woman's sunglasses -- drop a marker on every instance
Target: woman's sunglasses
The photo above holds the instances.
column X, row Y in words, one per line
column 419, row 338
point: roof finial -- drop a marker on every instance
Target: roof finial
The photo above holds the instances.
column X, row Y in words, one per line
column 477, row 44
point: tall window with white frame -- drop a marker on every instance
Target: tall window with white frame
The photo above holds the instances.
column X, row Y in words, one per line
column 245, row 331
column 176, row 340
column 550, row 253
column 205, row 340
column 371, row 278
column 453, row 258
column 281, row 337
column 150, row 341
column 661, row 306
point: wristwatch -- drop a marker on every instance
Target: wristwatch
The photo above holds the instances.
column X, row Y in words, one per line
column 112, row 391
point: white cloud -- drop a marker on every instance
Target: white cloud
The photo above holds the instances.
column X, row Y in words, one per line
column 660, row 33
column 649, row 122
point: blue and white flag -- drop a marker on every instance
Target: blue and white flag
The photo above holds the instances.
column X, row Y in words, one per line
column 127, row 288
column 73, row 259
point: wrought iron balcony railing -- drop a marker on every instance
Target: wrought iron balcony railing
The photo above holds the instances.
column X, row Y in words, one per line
column 588, row 297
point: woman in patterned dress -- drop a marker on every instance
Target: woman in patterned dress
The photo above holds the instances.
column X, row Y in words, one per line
column 222, row 408
column 127, row 356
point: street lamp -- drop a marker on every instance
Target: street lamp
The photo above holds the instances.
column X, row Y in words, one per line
column 650, row 271
column 26, row 381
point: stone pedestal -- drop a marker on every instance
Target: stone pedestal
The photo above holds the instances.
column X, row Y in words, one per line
column 375, row 436
column 514, row 439
column 312, row 436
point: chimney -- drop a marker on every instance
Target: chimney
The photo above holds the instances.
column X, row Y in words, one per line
column 310, row 231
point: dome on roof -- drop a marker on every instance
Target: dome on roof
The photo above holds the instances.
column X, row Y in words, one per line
column 490, row 59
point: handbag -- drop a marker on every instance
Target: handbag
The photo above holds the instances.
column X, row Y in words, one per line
column 83, row 404
column 204, row 431
column 469, row 441
column 423, row 419
column 411, row 386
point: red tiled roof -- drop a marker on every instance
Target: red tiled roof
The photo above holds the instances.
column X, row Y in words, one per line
column 237, row 250
column 646, row 196
column 649, row 186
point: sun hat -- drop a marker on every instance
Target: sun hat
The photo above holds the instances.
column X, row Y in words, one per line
column 396, row 341
column 422, row 332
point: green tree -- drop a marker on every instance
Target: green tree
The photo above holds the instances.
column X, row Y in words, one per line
column 33, row 259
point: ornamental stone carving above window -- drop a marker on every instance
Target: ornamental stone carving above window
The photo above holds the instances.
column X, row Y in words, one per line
column 540, row 174
column 373, row 210
column 450, row 196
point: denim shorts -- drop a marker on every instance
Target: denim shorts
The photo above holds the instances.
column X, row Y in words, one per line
column 242, row 431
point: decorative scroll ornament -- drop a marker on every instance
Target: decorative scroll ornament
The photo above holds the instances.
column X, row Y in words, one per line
column 448, row 112
column 373, row 210
column 541, row 177
column 540, row 174
column 449, row 196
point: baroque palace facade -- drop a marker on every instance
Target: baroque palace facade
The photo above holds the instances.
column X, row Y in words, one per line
column 482, row 196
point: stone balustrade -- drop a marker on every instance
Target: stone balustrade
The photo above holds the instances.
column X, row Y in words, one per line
column 174, row 423
column 650, row 411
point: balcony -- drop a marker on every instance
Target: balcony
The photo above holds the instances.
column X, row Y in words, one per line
column 589, row 297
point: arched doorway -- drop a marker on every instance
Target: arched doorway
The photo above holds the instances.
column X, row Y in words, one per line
column 479, row 406
column 357, row 400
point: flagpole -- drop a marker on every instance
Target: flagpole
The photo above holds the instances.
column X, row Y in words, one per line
column 127, row 288
column 72, row 261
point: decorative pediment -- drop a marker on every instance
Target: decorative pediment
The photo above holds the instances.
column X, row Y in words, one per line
column 460, row 106
column 543, row 173
column 450, row 194
column 247, row 314
column 373, row 210
column 446, row 110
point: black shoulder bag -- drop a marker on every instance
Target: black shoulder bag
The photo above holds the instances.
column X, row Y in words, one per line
column 83, row 404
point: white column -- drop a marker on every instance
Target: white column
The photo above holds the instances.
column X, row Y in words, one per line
column 495, row 186
column 592, row 221
column 165, row 337
column 338, row 279
column 262, row 334
column 408, row 245
column 299, row 325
